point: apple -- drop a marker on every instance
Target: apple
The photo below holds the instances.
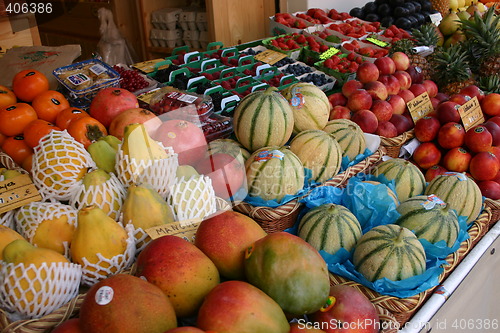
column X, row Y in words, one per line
column 451, row 135
column 407, row 95
column 457, row 159
column 491, row 104
column 416, row 74
column 382, row 110
column 478, row 139
column 490, row 189
column 351, row 86
column 473, row 91
column 404, row 79
column 359, row 100
column 386, row 129
column 434, row 171
column 484, row 166
column 495, row 119
column 426, row 155
column 376, row 89
column 417, row 89
column 402, row 123
column 494, row 129
column 385, row 65
column 367, row 71
column 351, row 309
column 459, row 99
column 340, row 112
column 337, row 98
column 427, row 128
column 431, row 87
column 401, row 60
column 391, row 83
column 366, row 120
column 398, row 104
column 448, row 112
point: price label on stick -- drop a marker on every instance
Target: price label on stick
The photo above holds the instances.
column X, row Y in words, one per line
column 269, row 56
column 377, row 42
column 17, row 192
column 329, row 53
column 420, row 106
column 185, row 229
column 471, row 113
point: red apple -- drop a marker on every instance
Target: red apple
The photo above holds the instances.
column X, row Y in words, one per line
column 359, row 100
column 407, row 95
column 490, row 189
column 404, row 79
column 478, row 139
column 385, row 65
column 431, row 87
column 416, row 74
column 337, row 98
column 473, row 91
column 391, row 83
column 457, row 159
column 484, row 166
column 398, row 104
column 402, row 123
column 340, row 112
column 448, row 112
column 491, row 104
column 427, row 128
column 376, row 89
column 434, row 171
column 494, row 129
column 459, row 99
column 351, row 312
column 351, row 86
column 367, row 71
column 426, row 155
column 401, row 61
column 451, row 135
column 417, row 89
column 382, row 110
column 442, row 97
column 366, row 120
column 386, row 129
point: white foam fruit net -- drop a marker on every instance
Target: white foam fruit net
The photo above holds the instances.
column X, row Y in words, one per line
column 7, row 219
column 108, row 196
column 104, row 267
column 160, row 173
column 31, row 291
column 192, row 198
column 59, row 162
column 29, row 217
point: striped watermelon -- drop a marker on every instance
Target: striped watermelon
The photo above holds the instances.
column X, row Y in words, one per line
column 228, row 146
column 263, row 119
column 329, row 227
column 319, row 152
column 273, row 172
column 389, row 251
column 459, row 192
column 349, row 136
column 429, row 219
column 408, row 178
column 310, row 105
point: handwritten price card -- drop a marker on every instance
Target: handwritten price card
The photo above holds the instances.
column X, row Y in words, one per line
column 17, row 192
column 329, row 53
column 149, row 66
column 270, row 56
column 471, row 113
column 420, row 106
column 185, row 229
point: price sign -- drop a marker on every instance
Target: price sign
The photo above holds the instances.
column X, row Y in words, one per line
column 471, row 113
column 269, row 56
column 329, row 53
column 377, row 42
column 149, row 66
column 185, row 229
column 420, row 106
column 146, row 97
column 17, row 192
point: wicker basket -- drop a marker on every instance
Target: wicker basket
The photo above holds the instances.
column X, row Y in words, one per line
column 403, row 308
column 494, row 206
column 393, row 145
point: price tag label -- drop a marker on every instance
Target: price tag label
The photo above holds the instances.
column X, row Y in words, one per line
column 329, row 53
column 17, row 192
column 146, row 97
column 185, row 229
column 471, row 113
column 149, row 66
column 436, row 18
column 420, row 106
column 269, row 56
column 377, row 42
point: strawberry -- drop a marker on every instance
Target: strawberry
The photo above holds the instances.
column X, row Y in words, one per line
column 329, row 63
column 283, row 46
column 351, row 56
column 301, row 39
column 323, row 48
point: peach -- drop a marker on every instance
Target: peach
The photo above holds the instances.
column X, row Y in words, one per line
column 351, row 86
column 385, row 65
column 367, row 71
column 442, row 97
column 426, row 155
column 417, row 89
column 448, row 112
column 401, row 61
column 494, row 129
column 490, row 189
column 407, row 95
column 451, row 135
column 386, row 129
column 382, row 110
column 457, row 159
column 427, row 128
column 337, row 98
column 473, row 91
column 459, row 99
column 484, row 166
column 366, row 120
column 398, row 104
column 417, row 76
column 434, row 171
column 404, row 79
column 495, row 119
column 339, row 111
column 376, row 89
column 478, row 139
column 392, row 84
column 431, row 87
column 402, row 123
column 491, row 104
column 359, row 100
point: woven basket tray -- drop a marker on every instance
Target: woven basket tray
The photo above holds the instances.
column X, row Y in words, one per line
column 494, row 206
column 393, row 145
column 403, row 308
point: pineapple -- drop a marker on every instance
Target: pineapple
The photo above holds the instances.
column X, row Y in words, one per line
column 483, row 41
column 452, row 69
column 490, row 84
column 408, row 46
column 442, row 6
column 427, row 35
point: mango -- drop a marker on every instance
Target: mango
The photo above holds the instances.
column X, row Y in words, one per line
column 289, row 270
column 184, row 273
column 125, row 303
column 224, row 238
column 237, row 306
column 7, row 235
